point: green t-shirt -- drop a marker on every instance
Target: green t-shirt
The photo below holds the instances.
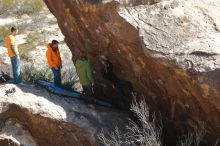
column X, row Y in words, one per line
column 84, row 72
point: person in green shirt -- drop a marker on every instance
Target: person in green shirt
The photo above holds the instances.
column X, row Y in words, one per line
column 84, row 72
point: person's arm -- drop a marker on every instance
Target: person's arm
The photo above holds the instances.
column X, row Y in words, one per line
column 89, row 73
column 13, row 50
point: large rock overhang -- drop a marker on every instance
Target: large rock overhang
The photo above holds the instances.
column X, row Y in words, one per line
column 98, row 29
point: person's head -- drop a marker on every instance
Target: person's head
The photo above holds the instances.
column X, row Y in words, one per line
column 14, row 31
column 54, row 44
column 82, row 55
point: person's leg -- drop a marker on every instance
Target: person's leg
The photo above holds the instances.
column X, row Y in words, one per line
column 129, row 85
column 18, row 70
column 125, row 88
column 56, row 74
column 89, row 91
column 59, row 77
column 120, row 84
column 15, row 70
column 13, row 67
column 88, row 94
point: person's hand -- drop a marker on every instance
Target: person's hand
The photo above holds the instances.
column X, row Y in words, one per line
column 18, row 57
column 55, row 68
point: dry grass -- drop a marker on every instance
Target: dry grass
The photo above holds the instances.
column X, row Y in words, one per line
column 193, row 138
column 146, row 133
column 32, row 74
column 36, row 5
column 6, row 4
column 20, row 7
column 4, row 31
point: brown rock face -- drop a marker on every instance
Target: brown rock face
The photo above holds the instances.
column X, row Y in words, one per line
column 33, row 117
column 97, row 28
column 45, row 132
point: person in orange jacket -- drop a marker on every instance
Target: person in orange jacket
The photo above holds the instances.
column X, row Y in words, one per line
column 54, row 61
column 14, row 55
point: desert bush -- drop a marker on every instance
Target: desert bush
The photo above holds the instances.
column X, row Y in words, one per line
column 30, row 6
column 5, row 5
column 20, row 7
column 32, row 74
column 193, row 137
column 33, row 39
column 145, row 133
column 69, row 77
column 24, row 48
column 4, row 31
column 36, row 5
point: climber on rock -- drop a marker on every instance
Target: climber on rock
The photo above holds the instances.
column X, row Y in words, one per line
column 108, row 73
column 14, row 55
column 54, row 61
column 84, row 72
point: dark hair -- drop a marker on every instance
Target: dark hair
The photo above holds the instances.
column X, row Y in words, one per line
column 55, row 42
column 13, row 29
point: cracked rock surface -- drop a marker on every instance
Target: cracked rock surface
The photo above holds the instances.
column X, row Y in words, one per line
column 184, row 31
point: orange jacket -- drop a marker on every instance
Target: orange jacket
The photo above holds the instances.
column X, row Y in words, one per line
column 53, row 57
column 10, row 41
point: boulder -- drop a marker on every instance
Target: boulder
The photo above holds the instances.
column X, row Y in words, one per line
column 147, row 45
column 32, row 116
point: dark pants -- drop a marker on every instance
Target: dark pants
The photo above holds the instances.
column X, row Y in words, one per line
column 16, row 68
column 88, row 91
column 123, row 85
column 126, row 88
column 57, row 76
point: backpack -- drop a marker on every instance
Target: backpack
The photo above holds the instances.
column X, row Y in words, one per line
column 4, row 77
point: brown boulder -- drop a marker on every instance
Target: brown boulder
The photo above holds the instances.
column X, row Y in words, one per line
column 98, row 29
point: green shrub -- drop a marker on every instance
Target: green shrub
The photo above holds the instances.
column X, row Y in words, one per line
column 70, row 78
column 36, row 5
column 4, row 31
column 21, row 7
column 33, row 39
column 6, row 4
column 142, row 133
column 32, row 74
column 146, row 132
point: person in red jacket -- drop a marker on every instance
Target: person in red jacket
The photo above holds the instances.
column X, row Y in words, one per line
column 54, row 61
